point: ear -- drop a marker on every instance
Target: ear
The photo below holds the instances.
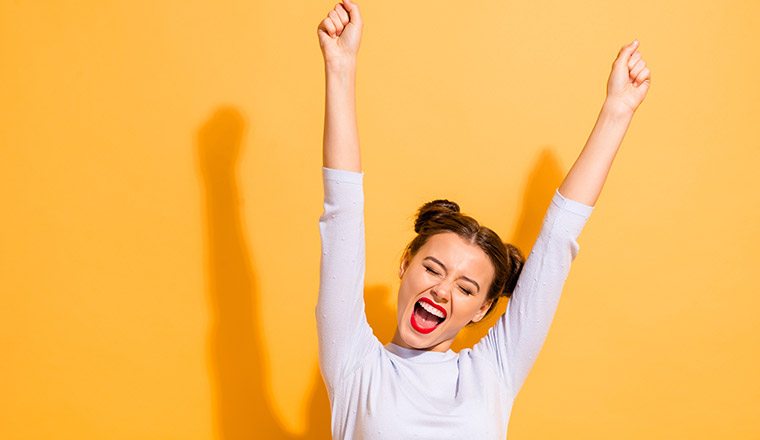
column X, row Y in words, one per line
column 482, row 312
column 404, row 264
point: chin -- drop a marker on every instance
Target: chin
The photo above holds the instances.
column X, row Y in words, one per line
column 413, row 340
column 416, row 340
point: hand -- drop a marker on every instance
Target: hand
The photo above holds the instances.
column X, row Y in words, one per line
column 341, row 32
column 630, row 78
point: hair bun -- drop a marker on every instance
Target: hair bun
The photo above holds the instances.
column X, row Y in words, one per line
column 516, row 263
column 433, row 210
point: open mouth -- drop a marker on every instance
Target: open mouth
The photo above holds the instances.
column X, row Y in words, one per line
column 427, row 316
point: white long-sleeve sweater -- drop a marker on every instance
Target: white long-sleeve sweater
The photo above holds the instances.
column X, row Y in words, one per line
column 390, row 392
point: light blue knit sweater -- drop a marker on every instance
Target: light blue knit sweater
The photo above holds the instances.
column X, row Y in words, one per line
column 390, row 392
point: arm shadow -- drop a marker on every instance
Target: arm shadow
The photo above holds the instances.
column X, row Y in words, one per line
column 543, row 180
column 242, row 406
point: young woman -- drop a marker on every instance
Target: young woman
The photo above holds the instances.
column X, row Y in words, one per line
column 451, row 274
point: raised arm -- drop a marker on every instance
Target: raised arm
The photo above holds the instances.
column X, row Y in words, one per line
column 626, row 88
column 516, row 339
column 339, row 38
column 344, row 336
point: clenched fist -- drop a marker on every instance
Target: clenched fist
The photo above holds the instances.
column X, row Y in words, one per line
column 340, row 33
column 630, row 78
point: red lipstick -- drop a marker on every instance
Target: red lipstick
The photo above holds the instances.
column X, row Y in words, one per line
column 416, row 325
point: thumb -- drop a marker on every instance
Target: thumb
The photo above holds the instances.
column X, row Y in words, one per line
column 353, row 12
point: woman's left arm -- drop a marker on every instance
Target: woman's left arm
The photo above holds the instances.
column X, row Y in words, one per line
column 517, row 338
column 626, row 88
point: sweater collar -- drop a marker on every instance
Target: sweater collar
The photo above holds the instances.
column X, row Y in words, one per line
column 421, row 356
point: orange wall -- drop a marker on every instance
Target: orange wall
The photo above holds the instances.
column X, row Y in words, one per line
column 160, row 189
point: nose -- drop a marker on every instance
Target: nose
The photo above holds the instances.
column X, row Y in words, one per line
column 441, row 292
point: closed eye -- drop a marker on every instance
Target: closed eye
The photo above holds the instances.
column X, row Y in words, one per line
column 465, row 290
column 427, row 268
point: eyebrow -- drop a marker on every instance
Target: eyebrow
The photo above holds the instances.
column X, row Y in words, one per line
column 444, row 268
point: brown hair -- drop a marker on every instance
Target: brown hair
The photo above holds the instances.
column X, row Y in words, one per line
column 443, row 216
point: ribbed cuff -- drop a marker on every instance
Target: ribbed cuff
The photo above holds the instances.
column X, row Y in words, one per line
column 342, row 175
column 571, row 205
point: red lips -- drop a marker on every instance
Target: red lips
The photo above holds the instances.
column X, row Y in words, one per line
column 419, row 326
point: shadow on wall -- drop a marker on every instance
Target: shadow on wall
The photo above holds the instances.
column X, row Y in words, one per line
column 380, row 316
column 545, row 177
column 238, row 374
column 242, row 408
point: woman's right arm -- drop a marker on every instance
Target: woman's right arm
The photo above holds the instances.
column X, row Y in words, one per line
column 345, row 338
column 339, row 38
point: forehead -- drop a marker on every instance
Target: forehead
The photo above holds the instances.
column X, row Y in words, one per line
column 458, row 255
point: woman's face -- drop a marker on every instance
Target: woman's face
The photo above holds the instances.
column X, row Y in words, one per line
column 443, row 288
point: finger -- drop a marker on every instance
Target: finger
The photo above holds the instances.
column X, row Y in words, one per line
column 644, row 75
column 634, row 59
column 626, row 51
column 336, row 21
column 341, row 11
column 353, row 11
column 634, row 73
column 329, row 27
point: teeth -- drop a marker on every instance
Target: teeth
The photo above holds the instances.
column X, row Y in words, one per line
column 432, row 309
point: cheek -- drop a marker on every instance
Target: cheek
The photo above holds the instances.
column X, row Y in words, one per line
column 402, row 302
column 468, row 308
column 408, row 289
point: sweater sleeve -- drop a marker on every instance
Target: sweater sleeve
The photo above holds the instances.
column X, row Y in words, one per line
column 342, row 329
column 514, row 342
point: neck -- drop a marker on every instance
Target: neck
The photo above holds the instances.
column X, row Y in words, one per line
column 442, row 346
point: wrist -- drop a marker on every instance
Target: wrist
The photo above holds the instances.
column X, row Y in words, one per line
column 341, row 65
column 617, row 110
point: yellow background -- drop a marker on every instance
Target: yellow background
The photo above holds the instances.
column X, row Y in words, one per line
column 160, row 189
